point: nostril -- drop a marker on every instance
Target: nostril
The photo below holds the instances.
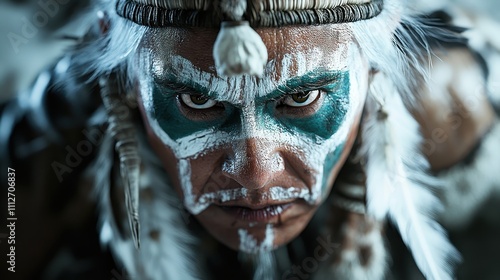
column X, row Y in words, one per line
column 230, row 167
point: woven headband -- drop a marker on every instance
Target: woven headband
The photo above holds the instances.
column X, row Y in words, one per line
column 155, row 13
column 238, row 48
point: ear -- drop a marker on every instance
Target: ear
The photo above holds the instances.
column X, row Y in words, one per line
column 104, row 23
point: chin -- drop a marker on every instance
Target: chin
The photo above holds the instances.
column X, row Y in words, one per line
column 257, row 228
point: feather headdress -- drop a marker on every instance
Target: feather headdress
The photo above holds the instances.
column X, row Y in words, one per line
column 397, row 185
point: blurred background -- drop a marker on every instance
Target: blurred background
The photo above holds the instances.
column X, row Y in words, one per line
column 32, row 35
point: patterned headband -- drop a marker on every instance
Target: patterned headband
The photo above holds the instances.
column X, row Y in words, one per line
column 239, row 49
column 259, row 13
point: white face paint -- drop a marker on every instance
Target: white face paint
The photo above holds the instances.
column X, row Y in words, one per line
column 242, row 92
column 249, row 244
column 313, row 152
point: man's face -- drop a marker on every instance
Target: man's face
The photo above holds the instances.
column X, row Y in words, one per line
column 253, row 158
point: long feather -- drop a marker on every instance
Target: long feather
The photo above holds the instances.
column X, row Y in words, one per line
column 397, row 184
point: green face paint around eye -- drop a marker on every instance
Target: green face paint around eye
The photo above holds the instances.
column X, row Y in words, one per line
column 330, row 162
column 332, row 112
column 167, row 113
column 323, row 123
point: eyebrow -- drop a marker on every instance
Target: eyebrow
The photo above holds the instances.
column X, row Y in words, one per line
column 177, row 86
column 315, row 79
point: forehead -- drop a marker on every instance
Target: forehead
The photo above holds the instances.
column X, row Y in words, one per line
column 186, row 55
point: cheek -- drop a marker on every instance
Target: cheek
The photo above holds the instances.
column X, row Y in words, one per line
column 344, row 121
column 334, row 164
column 164, row 152
column 327, row 121
column 166, row 110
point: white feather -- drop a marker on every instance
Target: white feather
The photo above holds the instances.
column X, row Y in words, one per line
column 171, row 256
column 397, row 185
column 167, row 257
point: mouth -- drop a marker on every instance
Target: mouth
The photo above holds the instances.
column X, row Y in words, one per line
column 278, row 206
column 257, row 214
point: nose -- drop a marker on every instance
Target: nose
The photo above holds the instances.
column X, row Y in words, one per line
column 253, row 163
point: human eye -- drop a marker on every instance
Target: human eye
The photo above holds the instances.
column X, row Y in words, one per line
column 197, row 101
column 199, row 107
column 301, row 99
column 301, row 103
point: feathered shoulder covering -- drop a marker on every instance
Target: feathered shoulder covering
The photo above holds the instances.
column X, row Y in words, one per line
column 399, row 187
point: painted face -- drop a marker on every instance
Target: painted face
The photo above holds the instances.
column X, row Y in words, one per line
column 252, row 157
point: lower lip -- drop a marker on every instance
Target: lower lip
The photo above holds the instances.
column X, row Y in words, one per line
column 258, row 215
